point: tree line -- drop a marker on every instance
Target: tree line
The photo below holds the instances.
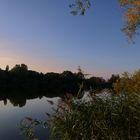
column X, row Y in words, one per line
column 20, row 81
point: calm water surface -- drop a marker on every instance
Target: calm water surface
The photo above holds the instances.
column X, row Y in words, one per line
column 13, row 111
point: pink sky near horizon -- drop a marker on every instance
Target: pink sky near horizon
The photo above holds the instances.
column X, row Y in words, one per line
column 48, row 67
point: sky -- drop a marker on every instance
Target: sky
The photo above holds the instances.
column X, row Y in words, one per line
column 45, row 36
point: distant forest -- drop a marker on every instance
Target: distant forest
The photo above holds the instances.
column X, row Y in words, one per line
column 19, row 82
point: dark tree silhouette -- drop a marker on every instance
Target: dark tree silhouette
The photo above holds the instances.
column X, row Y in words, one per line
column 21, row 82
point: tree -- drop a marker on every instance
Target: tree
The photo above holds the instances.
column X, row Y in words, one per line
column 24, row 67
column 132, row 14
column 19, row 68
column 96, row 83
column 7, row 68
column 113, row 79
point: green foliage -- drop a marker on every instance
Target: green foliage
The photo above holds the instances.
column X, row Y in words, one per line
column 79, row 7
column 116, row 117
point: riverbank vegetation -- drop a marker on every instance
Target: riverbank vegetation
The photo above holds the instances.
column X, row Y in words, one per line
column 115, row 116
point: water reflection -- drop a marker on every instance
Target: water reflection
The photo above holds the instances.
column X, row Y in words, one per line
column 13, row 110
column 5, row 101
column 19, row 101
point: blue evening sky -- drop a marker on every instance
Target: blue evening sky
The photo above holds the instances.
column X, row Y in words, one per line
column 45, row 36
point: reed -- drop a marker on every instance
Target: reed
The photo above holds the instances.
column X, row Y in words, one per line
column 116, row 117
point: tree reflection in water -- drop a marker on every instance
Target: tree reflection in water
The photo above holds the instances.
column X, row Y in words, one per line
column 18, row 101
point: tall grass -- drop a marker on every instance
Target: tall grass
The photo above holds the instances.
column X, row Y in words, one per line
column 112, row 117
column 116, row 117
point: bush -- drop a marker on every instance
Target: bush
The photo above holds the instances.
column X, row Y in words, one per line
column 128, row 83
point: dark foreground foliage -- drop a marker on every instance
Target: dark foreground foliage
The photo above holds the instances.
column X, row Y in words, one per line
column 116, row 117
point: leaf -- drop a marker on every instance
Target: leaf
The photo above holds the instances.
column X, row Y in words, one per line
column 28, row 118
column 82, row 11
column 74, row 13
column 36, row 122
column 48, row 114
column 45, row 124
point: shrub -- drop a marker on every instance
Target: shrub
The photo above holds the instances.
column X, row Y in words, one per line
column 128, row 83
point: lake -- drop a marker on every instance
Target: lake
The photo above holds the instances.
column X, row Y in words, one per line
column 12, row 111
